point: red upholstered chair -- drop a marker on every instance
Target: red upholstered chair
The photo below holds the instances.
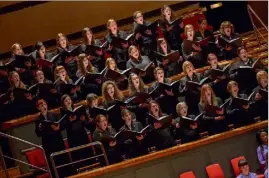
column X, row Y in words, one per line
column 188, row 174
column 214, row 171
column 234, row 163
column 36, row 157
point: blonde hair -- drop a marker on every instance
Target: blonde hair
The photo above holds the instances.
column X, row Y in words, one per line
column 117, row 93
column 230, row 84
column 16, row 45
column 203, row 100
column 260, row 75
column 84, row 32
column 56, row 71
column 12, row 85
column 130, row 50
column 108, row 60
column 185, row 65
column 109, row 22
column 179, row 105
column 187, row 27
column 59, row 35
column 131, row 87
column 90, row 97
column 83, row 69
column 135, row 14
column 156, row 70
column 226, row 24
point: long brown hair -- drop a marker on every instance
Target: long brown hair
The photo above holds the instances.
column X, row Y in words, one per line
column 83, row 69
column 155, row 102
column 117, row 93
column 203, row 100
column 163, row 9
column 12, row 85
column 56, row 71
column 129, row 53
column 108, row 60
column 85, row 39
column 59, row 35
column 131, row 87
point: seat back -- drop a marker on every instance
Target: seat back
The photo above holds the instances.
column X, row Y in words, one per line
column 188, row 174
column 234, row 163
column 214, row 171
column 35, row 157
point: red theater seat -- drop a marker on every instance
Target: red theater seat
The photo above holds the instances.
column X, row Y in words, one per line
column 214, row 171
column 35, row 157
column 234, row 163
column 188, row 174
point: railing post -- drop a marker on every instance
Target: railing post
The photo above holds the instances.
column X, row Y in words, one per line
column 4, row 163
column 253, row 25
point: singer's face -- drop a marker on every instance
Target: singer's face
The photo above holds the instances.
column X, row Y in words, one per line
column 67, row 102
column 62, row 42
column 134, row 53
column 154, row 108
column 15, row 78
column 112, row 65
column 135, row 80
column 213, row 60
column 243, row 55
column 17, row 50
column 42, row 51
column 40, row 76
column 113, row 26
column 203, row 25
column 85, row 62
column 183, row 110
column 43, row 107
column 110, row 90
column 160, row 75
column 167, row 12
column 227, row 31
column 139, row 18
column 190, row 33
column 89, row 35
column 127, row 118
column 102, row 123
column 264, row 81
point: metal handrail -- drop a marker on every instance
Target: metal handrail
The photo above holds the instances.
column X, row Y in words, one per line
column 254, row 13
column 2, row 156
column 256, row 31
column 81, row 160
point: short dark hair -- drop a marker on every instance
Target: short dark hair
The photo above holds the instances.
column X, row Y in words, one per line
column 242, row 162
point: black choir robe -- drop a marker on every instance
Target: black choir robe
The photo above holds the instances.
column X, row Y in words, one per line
column 120, row 55
column 97, row 61
column 229, row 54
column 246, row 83
column 260, row 107
column 76, row 136
column 220, row 88
column 173, row 36
column 147, row 43
column 113, row 153
column 167, row 103
column 134, row 147
column 52, row 141
column 237, row 115
column 209, row 122
column 192, row 97
column 71, row 66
